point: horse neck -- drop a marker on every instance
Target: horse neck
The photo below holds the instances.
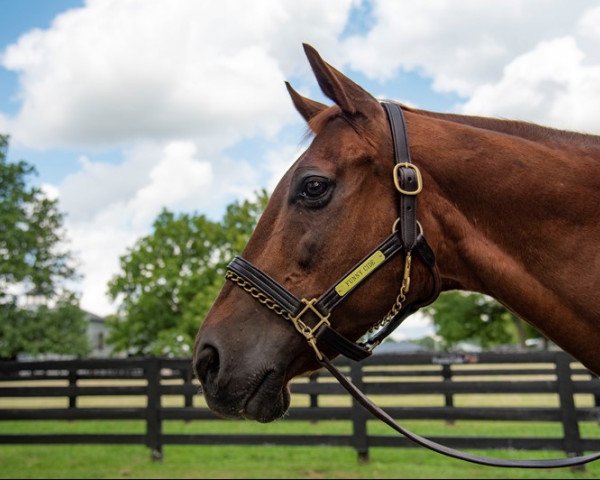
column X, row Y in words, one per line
column 511, row 218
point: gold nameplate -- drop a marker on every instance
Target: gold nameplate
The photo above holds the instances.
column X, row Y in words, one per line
column 360, row 273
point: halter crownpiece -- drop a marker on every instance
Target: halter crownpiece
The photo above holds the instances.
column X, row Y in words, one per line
column 310, row 317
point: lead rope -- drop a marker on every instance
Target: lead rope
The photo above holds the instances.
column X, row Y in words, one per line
column 368, row 405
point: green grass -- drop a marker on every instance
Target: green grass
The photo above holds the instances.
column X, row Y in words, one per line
column 464, row 428
column 126, row 461
column 91, row 461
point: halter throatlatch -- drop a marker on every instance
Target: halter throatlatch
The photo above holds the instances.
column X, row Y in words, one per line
column 310, row 317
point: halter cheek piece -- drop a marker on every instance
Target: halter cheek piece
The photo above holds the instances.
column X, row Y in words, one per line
column 310, row 317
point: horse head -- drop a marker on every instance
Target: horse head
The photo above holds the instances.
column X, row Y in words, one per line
column 328, row 211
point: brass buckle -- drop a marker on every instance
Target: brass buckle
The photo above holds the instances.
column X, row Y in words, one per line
column 307, row 332
column 397, row 221
column 397, row 179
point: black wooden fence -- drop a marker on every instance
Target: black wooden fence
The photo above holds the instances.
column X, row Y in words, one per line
column 443, row 375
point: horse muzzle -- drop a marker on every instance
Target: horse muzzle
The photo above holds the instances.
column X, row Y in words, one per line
column 235, row 386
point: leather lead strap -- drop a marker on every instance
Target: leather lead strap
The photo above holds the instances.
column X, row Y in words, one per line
column 449, row 452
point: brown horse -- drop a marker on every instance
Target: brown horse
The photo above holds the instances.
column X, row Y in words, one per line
column 510, row 209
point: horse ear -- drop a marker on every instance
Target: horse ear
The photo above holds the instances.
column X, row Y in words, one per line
column 349, row 96
column 306, row 107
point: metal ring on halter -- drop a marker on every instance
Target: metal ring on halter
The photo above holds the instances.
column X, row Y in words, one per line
column 395, row 226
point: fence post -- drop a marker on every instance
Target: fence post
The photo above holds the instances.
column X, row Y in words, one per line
column 572, row 438
column 313, row 397
column 187, row 381
column 73, row 385
column 153, row 420
column 359, row 417
column 449, row 397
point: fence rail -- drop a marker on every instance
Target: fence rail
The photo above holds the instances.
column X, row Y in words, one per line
column 396, row 375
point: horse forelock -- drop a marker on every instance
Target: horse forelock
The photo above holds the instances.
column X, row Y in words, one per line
column 319, row 121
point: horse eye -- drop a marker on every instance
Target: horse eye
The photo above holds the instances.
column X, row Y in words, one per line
column 314, row 191
column 314, row 188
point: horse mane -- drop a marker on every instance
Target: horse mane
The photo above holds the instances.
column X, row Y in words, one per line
column 517, row 128
column 526, row 130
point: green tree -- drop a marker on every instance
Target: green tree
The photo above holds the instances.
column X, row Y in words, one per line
column 463, row 316
column 60, row 329
column 34, row 264
column 170, row 278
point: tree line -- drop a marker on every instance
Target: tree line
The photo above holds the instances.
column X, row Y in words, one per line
column 166, row 284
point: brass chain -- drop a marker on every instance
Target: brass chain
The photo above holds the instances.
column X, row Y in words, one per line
column 400, row 299
column 258, row 295
column 393, row 311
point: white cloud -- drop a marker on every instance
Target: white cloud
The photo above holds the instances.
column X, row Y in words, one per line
column 536, row 60
column 176, row 178
column 460, row 44
column 111, row 205
column 551, row 84
column 97, row 185
column 589, row 27
column 121, row 70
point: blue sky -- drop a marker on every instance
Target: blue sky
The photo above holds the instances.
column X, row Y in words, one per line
column 126, row 107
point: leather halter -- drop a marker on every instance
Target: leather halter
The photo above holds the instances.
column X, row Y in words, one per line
column 317, row 328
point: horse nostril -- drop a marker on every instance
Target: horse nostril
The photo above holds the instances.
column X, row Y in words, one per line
column 207, row 364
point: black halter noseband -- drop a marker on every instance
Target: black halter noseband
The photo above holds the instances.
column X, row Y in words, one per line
column 310, row 317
